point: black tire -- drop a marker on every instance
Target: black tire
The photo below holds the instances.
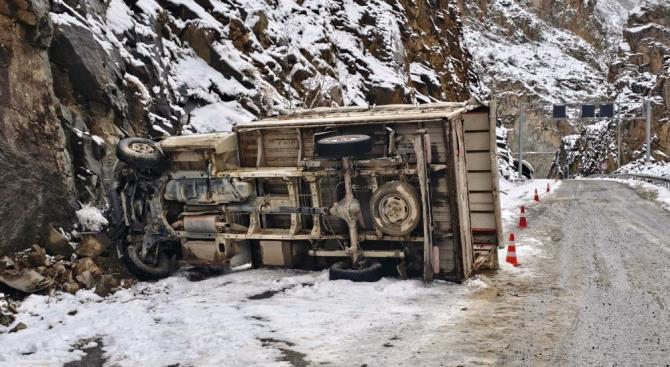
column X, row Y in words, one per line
column 344, row 146
column 256, row 257
column 400, row 197
column 371, row 271
column 140, row 153
column 162, row 269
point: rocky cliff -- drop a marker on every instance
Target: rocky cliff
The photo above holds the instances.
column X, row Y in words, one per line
column 77, row 75
column 640, row 71
column 539, row 52
column 36, row 178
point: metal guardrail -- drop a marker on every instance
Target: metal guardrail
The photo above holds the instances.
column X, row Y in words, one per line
column 659, row 181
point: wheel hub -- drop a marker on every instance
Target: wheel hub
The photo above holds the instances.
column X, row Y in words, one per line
column 141, row 148
column 394, row 209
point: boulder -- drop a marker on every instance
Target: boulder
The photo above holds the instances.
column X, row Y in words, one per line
column 57, row 245
column 92, row 245
column 20, row 326
column 106, row 285
column 86, row 265
column 87, row 279
column 37, row 257
column 70, row 287
column 95, row 75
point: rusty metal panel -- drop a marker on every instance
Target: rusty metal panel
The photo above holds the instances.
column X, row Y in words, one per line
column 483, row 180
column 248, row 148
column 281, row 147
column 203, row 252
column 435, row 130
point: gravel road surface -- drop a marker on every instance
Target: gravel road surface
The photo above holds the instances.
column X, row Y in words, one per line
column 596, row 295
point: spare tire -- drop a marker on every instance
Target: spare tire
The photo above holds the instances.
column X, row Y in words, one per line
column 396, row 208
column 140, row 153
column 370, row 271
column 344, row 146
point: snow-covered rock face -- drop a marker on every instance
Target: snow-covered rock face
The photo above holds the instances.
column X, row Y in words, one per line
column 593, row 151
column 223, row 62
column 643, row 71
column 640, row 71
column 552, row 50
column 544, row 52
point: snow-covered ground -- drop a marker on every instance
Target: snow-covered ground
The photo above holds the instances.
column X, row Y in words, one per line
column 513, row 195
column 217, row 321
column 256, row 317
column 235, row 320
column 638, row 167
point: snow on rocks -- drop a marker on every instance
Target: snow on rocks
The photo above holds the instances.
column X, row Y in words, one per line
column 37, row 271
column 514, row 47
column 639, row 167
column 242, row 60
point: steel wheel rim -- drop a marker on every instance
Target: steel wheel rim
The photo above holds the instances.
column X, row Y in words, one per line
column 394, row 209
column 142, row 148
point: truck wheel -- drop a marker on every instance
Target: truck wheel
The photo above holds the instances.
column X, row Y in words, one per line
column 140, row 153
column 370, row 271
column 160, row 268
column 396, row 208
column 256, row 256
column 344, row 146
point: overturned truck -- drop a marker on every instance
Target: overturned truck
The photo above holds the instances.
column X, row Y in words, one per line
column 360, row 190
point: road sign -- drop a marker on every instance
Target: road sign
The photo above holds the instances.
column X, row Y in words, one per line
column 588, row 111
column 559, row 112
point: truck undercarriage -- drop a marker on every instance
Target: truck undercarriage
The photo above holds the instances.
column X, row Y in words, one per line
column 290, row 194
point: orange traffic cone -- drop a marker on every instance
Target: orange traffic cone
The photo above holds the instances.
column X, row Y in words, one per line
column 536, row 197
column 510, row 240
column 511, row 255
column 523, row 223
column 548, row 188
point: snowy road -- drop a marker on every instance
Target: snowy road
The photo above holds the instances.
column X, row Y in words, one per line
column 592, row 291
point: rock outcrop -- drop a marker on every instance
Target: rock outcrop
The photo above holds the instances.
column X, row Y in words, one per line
column 641, row 71
column 36, row 177
column 539, row 52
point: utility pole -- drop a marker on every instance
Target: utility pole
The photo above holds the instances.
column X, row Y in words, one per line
column 647, row 104
column 522, row 121
column 618, row 139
